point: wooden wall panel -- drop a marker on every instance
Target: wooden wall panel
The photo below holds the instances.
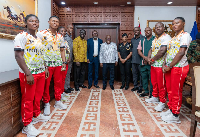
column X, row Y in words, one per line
column 198, row 18
column 97, row 14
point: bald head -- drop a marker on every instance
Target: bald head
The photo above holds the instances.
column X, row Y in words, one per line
column 69, row 29
column 148, row 32
column 159, row 28
column 137, row 31
column 108, row 39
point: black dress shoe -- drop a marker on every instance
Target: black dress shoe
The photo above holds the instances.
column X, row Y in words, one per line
column 127, row 87
column 139, row 91
column 67, row 91
column 122, row 87
column 104, row 87
column 144, row 94
column 134, row 89
column 83, row 86
column 71, row 89
column 96, row 86
column 112, row 87
column 89, row 86
column 77, row 89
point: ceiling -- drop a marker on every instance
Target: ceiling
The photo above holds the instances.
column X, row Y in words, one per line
column 133, row 2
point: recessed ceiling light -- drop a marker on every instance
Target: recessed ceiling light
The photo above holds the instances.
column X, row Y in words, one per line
column 128, row 2
column 169, row 2
column 63, row 3
column 122, row 5
column 95, row 2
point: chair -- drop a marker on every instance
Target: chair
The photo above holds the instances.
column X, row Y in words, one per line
column 195, row 116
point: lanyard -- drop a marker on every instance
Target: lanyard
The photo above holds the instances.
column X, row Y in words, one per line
column 174, row 38
column 154, row 46
column 54, row 39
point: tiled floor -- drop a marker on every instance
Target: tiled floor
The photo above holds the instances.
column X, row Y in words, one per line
column 107, row 113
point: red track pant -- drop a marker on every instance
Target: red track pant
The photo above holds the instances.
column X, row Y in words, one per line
column 57, row 74
column 64, row 74
column 175, row 79
column 31, row 96
column 158, row 83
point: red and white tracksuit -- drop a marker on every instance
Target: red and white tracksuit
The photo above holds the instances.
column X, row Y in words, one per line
column 31, row 96
column 57, row 74
column 64, row 74
column 158, row 83
column 175, row 79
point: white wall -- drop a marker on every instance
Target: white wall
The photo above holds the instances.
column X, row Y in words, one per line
column 164, row 13
column 7, row 60
column 44, row 12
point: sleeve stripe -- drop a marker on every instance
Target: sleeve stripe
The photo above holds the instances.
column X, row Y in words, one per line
column 18, row 49
column 163, row 46
column 183, row 46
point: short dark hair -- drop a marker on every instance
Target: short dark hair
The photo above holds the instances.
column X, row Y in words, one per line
column 180, row 18
column 53, row 17
column 60, row 27
column 30, row 15
column 124, row 34
column 82, row 30
column 161, row 24
column 136, row 27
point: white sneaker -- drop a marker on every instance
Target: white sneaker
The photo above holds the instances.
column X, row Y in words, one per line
column 47, row 109
column 170, row 118
column 65, row 94
column 64, row 97
column 60, row 105
column 165, row 113
column 152, row 100
column 30, row 131
column 40, row 118
column 160, row 107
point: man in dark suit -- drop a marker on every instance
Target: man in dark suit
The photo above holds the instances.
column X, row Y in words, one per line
column 93, row 48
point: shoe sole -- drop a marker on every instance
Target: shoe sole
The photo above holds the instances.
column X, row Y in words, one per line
column 163, row 115
column 60, row 107
column 28, row 135
column 166, row 121
column 151, row 102
column 159, row 110
column 39, row 121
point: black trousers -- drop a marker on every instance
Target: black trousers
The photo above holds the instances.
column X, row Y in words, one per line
column 136, row 75
column 79, row 74
column 125, row 70
column 111, row 67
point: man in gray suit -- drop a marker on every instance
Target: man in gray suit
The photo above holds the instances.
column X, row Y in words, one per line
column 68, row 38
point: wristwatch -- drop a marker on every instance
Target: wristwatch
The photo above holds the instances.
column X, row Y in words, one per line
column 125, row 59
column 64, row 62
column 170, row 66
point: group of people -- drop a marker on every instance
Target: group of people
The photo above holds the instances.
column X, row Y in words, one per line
column 160, row 61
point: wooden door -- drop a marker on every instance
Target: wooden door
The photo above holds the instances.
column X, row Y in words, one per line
column 103, row 30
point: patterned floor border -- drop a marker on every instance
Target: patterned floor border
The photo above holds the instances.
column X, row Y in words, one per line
column 50, row 128
column 90, row 123
column 127, row 124
column 168, row 129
